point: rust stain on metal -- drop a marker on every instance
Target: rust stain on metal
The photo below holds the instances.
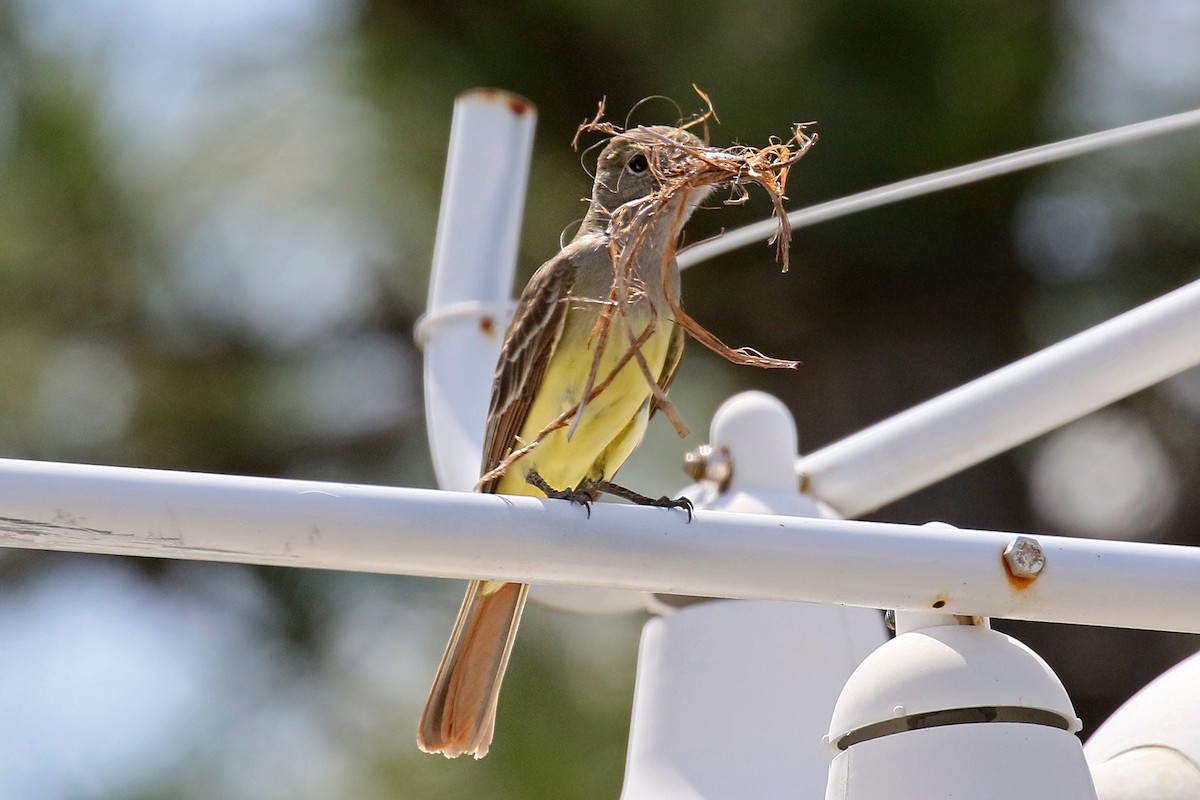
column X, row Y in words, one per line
column 487, row 325
column 519, row 105
column 1015, row 581
column 940, row 601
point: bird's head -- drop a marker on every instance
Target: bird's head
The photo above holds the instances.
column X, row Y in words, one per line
column 641, row 162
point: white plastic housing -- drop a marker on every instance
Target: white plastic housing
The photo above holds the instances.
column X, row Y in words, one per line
column 1150, row 747
column 886, row 706
column 1147, row 772
column 733, row 697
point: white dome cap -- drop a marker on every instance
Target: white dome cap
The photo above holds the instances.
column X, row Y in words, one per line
column 946, row 668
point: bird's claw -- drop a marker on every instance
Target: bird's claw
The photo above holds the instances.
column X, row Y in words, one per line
column 577, row 495
column 677, row 502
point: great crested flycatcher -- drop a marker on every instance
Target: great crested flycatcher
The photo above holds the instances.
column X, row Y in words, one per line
column 548, row 361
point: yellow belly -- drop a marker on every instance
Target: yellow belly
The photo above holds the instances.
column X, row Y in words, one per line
column 613, row 422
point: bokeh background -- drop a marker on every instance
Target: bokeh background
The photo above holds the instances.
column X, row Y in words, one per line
column 215, row 232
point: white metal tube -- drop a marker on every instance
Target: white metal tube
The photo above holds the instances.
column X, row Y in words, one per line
column 951, row 432
column 474, row 259
column 940, row 181
column 427, row 532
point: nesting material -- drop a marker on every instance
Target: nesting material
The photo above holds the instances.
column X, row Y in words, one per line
column 681, row 170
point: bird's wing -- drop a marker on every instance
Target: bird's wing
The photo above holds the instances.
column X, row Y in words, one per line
column 530, row 340
column 671, row 364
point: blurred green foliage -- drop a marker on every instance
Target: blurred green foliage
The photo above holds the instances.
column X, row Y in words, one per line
column 165, row 301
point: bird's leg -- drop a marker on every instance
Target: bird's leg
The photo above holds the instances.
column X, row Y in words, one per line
column 578, row 495
column 602, row 485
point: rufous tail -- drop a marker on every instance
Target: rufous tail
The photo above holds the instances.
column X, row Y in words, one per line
column 461, row 711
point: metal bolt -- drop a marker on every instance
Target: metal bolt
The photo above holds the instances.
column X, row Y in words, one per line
column 707, row 464
column 1024, row 557
column 889, row 619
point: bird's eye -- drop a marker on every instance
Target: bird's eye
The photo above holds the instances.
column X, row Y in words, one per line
column 638, row 163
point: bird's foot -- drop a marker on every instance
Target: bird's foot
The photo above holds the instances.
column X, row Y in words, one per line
column 643, row 500
column 578, row 495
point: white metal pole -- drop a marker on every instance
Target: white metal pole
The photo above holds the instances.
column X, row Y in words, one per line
column 949, row 433
column 465, row 535
column 474, row 259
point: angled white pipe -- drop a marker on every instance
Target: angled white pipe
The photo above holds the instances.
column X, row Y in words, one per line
column 1012, row 405
column 942, row 180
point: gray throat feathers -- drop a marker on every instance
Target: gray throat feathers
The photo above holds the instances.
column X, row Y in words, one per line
column 591, row 243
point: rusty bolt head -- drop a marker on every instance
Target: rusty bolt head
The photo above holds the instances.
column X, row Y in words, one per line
column 707, row 464
column 1024, row 557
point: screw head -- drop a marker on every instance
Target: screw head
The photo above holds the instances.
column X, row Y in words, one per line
column 695, row 462
column 707, row 464
column 1024, row 557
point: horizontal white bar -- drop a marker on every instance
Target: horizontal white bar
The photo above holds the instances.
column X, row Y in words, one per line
column 956, row 430
column 461, row 535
